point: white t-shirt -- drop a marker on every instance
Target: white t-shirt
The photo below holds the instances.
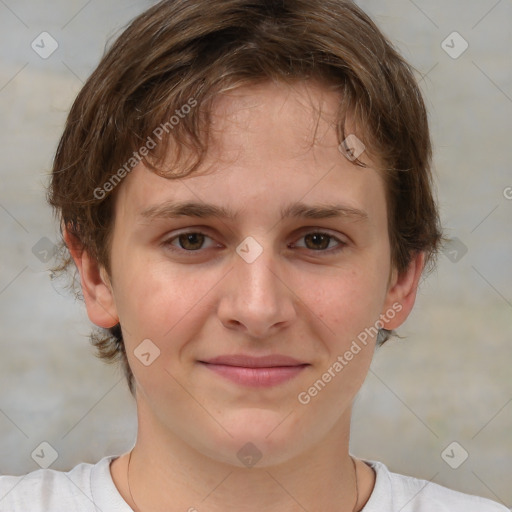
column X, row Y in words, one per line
column 90, row 488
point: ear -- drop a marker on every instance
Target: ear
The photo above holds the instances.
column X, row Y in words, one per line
column 96, row 286
column 401, row 293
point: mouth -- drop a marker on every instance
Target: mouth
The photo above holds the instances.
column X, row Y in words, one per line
column 256, row 371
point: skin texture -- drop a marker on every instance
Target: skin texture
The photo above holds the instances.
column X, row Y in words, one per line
column 272, row 145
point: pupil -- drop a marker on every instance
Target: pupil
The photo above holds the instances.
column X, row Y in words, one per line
column 318, row 238
column 193, row 239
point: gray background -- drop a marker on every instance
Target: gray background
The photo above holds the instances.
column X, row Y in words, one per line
column 450, row 380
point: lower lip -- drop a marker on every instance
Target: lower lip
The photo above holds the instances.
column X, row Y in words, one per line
column 256, row 377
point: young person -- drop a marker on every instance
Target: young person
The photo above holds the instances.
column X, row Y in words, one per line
column 244, row 187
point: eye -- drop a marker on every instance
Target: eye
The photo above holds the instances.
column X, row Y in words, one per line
column 319, row 241
column 193, row 241
column 190, row 241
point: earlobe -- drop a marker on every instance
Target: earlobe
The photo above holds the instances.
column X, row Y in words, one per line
column 96, row 286
column 402, row 293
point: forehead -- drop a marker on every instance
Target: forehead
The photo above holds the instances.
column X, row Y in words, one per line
column 289, row 119
column 268, row 143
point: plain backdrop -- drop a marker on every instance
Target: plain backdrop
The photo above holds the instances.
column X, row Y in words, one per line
column 448, row 381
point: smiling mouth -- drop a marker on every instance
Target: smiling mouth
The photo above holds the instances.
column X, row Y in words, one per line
column 256, row 376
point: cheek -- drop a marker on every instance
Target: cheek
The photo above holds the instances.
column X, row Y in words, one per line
column 151, row 302
column 348, row 302
column 165, row 308
column 163, row 303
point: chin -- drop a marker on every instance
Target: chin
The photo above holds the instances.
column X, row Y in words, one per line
column 259, row 439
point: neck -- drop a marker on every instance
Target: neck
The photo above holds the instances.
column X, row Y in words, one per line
column 171, row 475
column 270, row 501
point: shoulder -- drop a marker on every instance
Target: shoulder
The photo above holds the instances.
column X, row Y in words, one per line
column 408, row 494
column 49, row 490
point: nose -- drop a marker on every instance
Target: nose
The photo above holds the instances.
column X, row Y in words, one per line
column 257, row 296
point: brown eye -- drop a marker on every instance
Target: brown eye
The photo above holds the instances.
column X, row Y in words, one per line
column 317, row 241
column 320, row 242
column 191, row 241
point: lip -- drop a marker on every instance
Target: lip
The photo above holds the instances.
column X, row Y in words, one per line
column 256, row 371
column 255, row 362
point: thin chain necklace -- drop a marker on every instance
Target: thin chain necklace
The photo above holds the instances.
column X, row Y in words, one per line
column 138, row 509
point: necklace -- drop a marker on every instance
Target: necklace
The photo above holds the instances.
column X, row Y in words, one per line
column 138, row 510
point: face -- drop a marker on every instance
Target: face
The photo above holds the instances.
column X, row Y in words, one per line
column 254, row 282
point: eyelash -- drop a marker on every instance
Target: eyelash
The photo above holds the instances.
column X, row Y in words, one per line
column 168, row 243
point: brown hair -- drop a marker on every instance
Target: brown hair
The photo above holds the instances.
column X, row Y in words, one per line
column 184, row 52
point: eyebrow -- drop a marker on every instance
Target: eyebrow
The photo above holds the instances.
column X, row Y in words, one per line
column 295, row 210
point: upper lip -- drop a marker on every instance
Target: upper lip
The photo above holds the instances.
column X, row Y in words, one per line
column 247, row 361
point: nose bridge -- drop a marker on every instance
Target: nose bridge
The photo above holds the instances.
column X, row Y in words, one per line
column 257, row 298
column 255, row 272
